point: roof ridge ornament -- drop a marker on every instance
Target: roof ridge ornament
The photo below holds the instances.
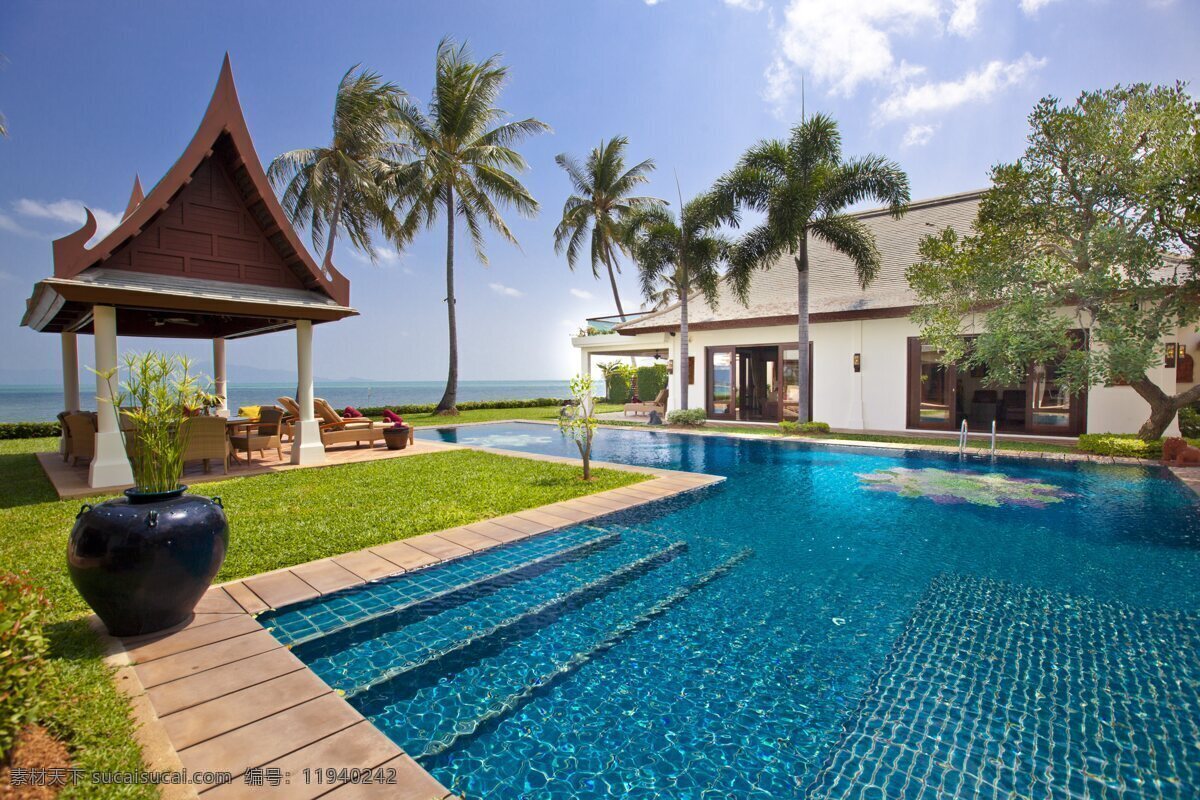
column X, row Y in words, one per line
column 135, row 197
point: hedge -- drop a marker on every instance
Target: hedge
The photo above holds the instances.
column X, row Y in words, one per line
column 1126, row 445
column 790, row 426
column 29, row 430
column 650, row 381
column 691, row 418
column 616, row 389
column 1189, row 422
column 23, row 648
column 469, row 405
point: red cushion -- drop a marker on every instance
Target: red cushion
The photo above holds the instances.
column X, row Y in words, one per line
column 351, row 411
column 391, row 416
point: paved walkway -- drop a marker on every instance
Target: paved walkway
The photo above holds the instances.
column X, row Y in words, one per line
column 223, row 694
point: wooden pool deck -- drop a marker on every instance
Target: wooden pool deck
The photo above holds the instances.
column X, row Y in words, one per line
column 222, row 694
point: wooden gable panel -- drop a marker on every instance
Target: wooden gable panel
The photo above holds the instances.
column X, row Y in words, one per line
column 206, row 232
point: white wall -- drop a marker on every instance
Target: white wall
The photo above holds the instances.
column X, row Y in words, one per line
column 876, row 398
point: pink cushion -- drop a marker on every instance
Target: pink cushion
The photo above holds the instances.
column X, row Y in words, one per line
column 391, row 416
column 351, row 411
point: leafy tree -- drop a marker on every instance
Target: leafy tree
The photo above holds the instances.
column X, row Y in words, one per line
column 463, row 154
column 803, row 187
column 683, row 256
column 338, row 187
column 1095, row 228
column 601, row 204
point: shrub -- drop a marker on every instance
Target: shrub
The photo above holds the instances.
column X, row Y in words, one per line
column 29, row 430
column 789, row 426
column 650, row 381
column 690, row 418
column 22, row 655
column 1127, row 445
column 1189, row 422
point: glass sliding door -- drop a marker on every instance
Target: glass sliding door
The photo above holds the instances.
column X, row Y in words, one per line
column 790, row 381
column 931, row 388
column 721, row 383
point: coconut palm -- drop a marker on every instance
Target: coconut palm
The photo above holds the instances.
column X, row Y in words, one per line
column 682, row 257
column 803, row 187
column 602, row 202
column 338, row 188
column 462, row 157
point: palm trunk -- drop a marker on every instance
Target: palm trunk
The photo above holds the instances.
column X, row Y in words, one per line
column 683, row 349
column 803, row 412
column 448, row 404
column 612, row 278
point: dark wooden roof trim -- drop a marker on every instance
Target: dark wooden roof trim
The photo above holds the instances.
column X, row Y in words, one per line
column 782, row 319
column 222, row 117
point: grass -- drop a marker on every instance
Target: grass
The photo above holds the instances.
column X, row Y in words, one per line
column 495, row 414
column 276, row 520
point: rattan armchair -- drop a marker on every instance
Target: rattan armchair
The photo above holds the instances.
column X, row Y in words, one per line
column 207, row 441
column 80, row 428
column 262, row 437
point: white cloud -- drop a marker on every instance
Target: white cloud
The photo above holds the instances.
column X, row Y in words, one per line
column 1033, row 6
column 68, row 211
column 846, row 48
column 10, row 225
column 964, row 17
column 388, row 255
column 982, row 84
column 745, row 5
column 918, row 135
column 507, row 291
column 583, row 294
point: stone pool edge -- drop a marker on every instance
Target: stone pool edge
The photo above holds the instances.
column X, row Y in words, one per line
column 221, row 694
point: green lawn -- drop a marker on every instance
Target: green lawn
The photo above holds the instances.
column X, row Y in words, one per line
column 496, row 414
column 276, row 520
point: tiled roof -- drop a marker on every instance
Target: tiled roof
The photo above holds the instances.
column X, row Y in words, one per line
column 833, row 284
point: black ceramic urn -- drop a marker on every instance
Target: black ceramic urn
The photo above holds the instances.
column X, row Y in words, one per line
column 143, row 561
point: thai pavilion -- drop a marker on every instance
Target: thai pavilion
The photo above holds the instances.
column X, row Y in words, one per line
column 208, row 253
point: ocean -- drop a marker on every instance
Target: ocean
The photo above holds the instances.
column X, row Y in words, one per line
column 42, row 403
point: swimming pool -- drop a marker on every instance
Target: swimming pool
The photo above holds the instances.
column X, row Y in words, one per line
column 828, row 622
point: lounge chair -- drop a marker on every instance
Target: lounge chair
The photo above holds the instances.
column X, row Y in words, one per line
column 266, row 435
column 81, row 436
column 207, row 441
column 659, row 405
column 336, row 429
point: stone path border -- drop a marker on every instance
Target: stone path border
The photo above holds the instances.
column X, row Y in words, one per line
column 222, row 694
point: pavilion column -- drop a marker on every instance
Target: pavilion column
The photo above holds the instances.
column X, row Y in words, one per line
column 306, row 439
column 110, row 465
column 70, row 369
column 220, row 377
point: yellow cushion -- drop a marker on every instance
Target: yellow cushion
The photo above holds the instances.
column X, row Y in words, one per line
column 250, row 412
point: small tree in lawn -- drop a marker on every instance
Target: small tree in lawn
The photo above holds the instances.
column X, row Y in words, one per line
column 1096, row 227
column 579, row 420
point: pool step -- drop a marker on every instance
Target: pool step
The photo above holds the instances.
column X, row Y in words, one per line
column 325, row 617
column 431, row 713
column 351, row 663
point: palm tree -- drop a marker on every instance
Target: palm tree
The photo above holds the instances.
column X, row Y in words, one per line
column 338, row 187
column 803, row 188
column 462, row 154
column 602, row 202
column 681, row 258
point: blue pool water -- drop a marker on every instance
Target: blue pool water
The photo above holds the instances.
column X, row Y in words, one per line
column 826, row 623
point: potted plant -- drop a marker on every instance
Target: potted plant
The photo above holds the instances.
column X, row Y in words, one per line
column 397, row 436
column 143, row 561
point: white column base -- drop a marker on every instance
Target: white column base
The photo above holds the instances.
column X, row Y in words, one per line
column 306, row 443
column 109, row 466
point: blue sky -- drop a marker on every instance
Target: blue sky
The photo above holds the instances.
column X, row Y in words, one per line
column 95, row 92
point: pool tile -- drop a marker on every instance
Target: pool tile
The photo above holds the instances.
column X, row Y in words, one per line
column 218, row 601
column 190, row 638
column 472, row 540
column 360, row 746
column 498, row 532
column 248, row 600
column 412, row 783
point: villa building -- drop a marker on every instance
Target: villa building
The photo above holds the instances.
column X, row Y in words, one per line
column 869, row 369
